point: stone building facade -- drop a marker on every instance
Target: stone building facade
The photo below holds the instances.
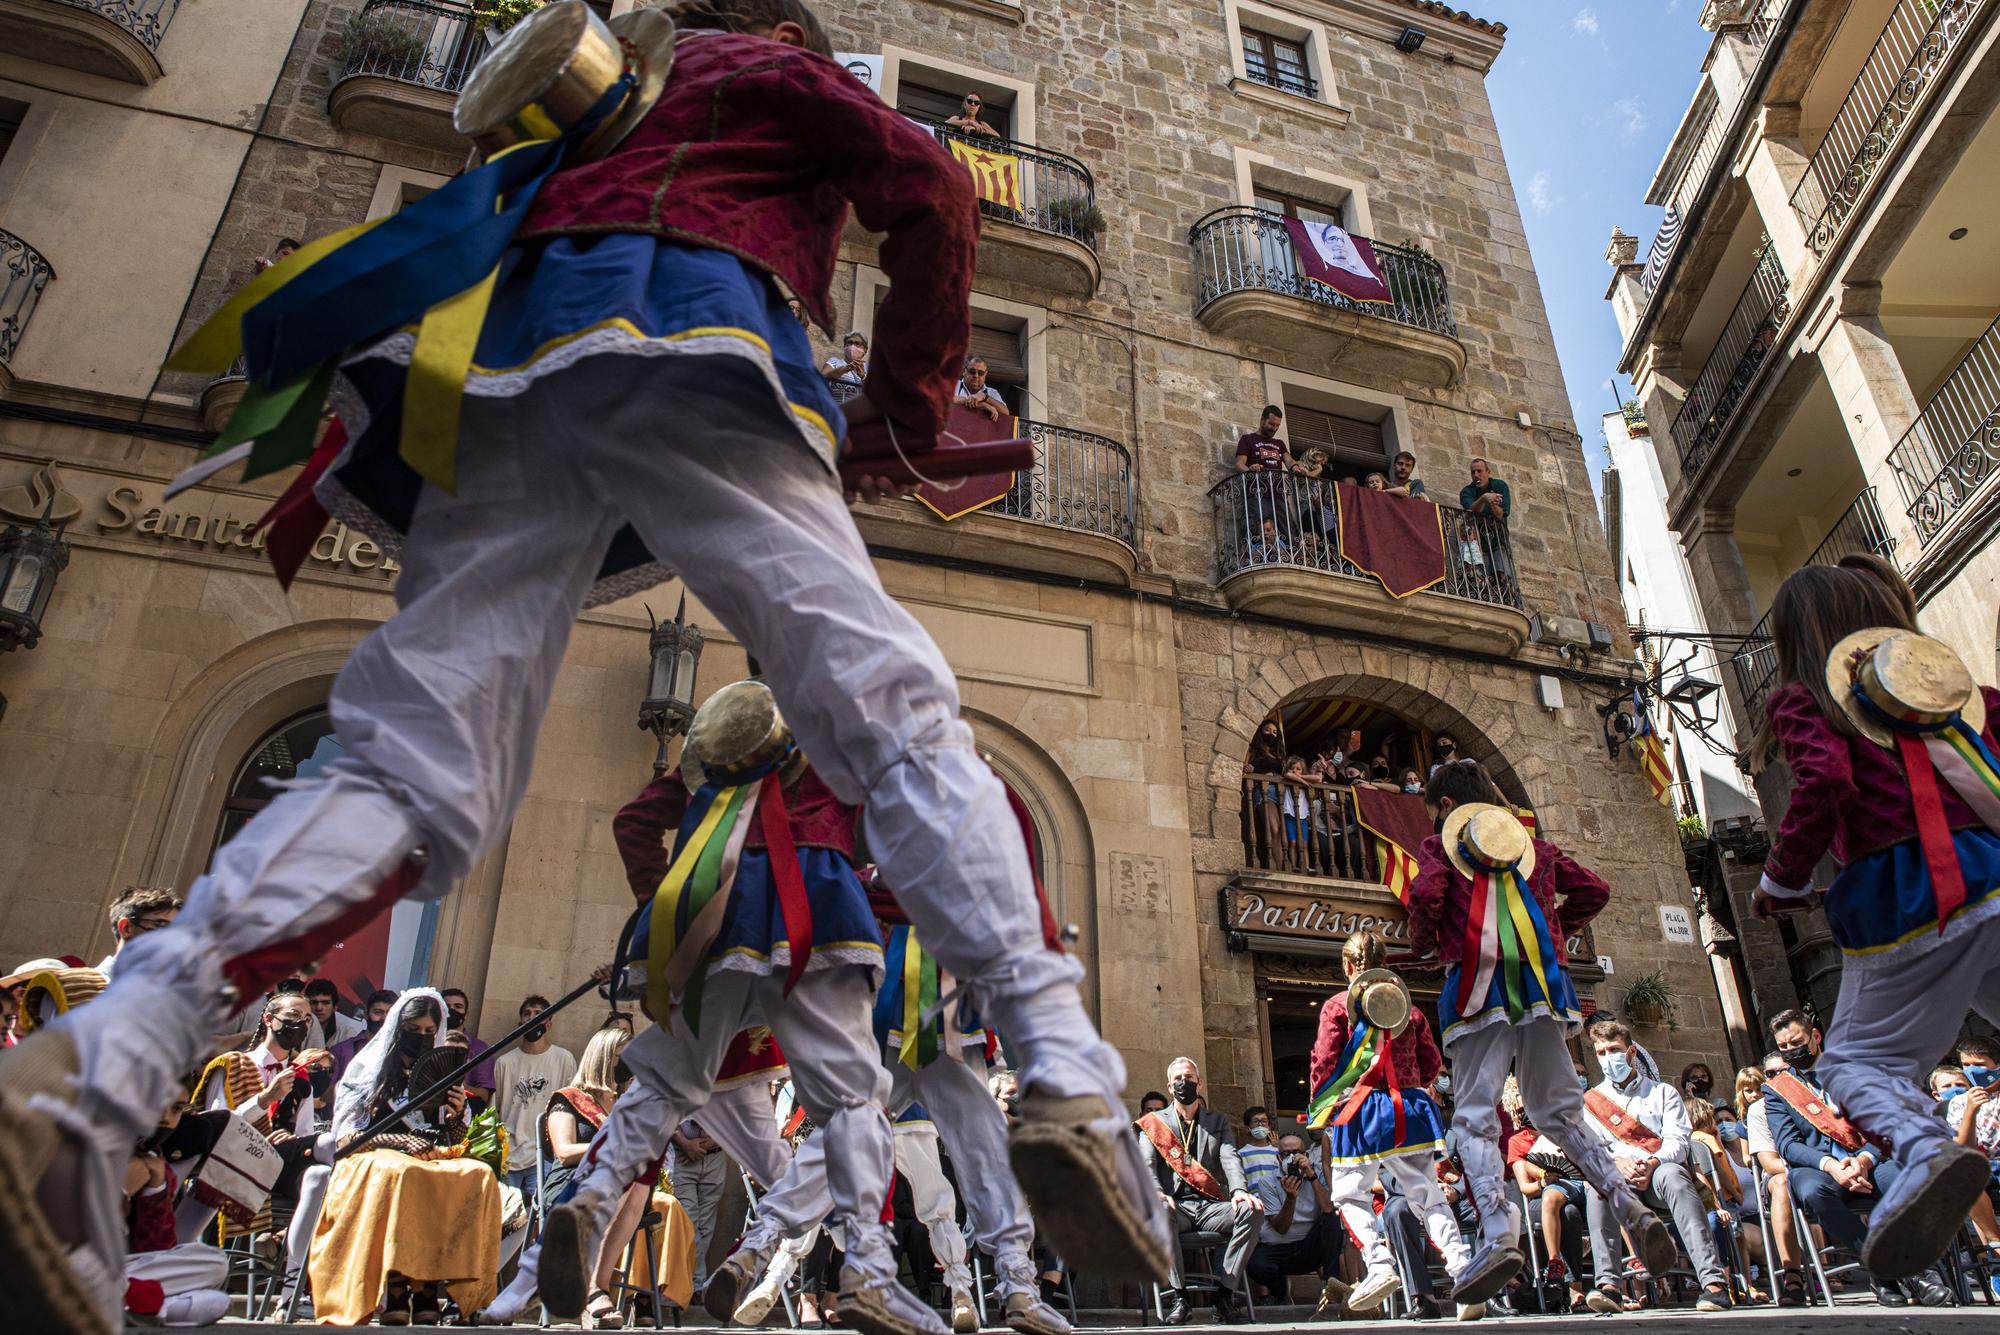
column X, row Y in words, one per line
column 1118, row 630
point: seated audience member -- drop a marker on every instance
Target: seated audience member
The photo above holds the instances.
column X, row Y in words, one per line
column 1833, row 1173
column 1761, row 1151
column 1552, row 1187
column 324, row 998
column 1151, row 1101
column 1697, row 1082
column 619, row 1020
column 369, row 1251
column 1301, row 1232
column 1403, row 480
column 1258, row 1149
column 1645, row 1127
column 380, row 1002
column 141, row 909
column 167, row 1282
column 1974, row 1116
column 1201, row 1184
column 527, row 1078
column 1403, row 1229
column 479, row 1084
column 973, row 392
column 1720, row 1191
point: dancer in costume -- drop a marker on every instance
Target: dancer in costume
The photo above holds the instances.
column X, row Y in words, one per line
column 1892, row 751
column 1495, row 905
column 611, row 344
column 1370, row 1064
column 758, row 919
column 939, row 1063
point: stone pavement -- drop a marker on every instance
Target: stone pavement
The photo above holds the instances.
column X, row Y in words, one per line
column 1844, row 1320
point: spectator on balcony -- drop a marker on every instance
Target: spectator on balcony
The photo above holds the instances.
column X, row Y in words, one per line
column 1486, row 495
column 1411, row 781
column 1265, row 761
column 1261, row 450
column 1445, row 747
column 1269, row 546
column 974, row 393
column 846, row 372
column 1375, row 482
column 1403, row 479
column 798, row 310
column 968, row 121
column 286, row 245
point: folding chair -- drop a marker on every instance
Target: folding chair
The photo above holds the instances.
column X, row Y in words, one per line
column 1204, row 1278
column 785, row 1294
column 623, row 1291
column 1761, row 1185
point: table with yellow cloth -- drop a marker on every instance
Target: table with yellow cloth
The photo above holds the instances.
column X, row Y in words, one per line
column 673, row 1243
column 430, row 1221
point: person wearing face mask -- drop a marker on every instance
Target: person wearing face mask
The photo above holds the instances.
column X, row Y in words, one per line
column 1963, row 1106
column 1510, row 1005
column 480, row 1084
column 360, row 1262
column 1200, row 1180
column 1835, row 1172
column 1645, row 1127
column 379, row 1004
column 1258, row 1150
column 274, row 1060
column 1697, row 1082
column 524, row 1080
column 1412, row 782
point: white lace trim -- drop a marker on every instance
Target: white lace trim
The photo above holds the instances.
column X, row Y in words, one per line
column 779, row 960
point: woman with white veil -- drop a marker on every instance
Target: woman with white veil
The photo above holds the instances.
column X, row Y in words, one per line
column 451, row 1207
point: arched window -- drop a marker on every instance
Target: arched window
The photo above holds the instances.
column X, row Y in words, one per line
column 394, row 951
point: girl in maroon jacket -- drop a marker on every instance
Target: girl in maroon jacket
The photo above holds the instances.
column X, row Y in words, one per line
column 1892, row 753
column 1509, row 1003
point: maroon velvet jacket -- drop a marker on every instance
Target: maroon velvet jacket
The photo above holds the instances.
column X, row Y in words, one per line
column 757, row 148
column 1415, row 1050
column 1848, row 794
column 645, row 825
column 1440, row 901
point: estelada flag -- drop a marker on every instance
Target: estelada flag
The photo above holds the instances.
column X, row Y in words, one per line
column 995, row 175
column 1329, row 254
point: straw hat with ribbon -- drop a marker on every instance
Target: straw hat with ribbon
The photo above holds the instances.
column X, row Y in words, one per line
column 562, row 86
column 52, row 992
column 1485, row 837
column 1505, row 925
column 1912, row 694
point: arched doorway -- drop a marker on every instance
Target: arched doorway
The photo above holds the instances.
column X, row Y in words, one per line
column 394, row 951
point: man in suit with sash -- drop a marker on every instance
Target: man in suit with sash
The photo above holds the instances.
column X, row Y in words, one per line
column 1200, row 1179
column 1835, row 1172
column 1645, row 1126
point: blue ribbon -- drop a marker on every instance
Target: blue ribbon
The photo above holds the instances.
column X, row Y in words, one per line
column 392, row 274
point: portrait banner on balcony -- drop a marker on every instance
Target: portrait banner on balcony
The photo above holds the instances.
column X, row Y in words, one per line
column 1397, row 539
column 996, row 176
column 1330, row 254
column 1399, row 824
column 955, row 500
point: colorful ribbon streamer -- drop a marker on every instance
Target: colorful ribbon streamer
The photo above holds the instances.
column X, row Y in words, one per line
column 1503, row 933
column 1961, row 756
column 433, row 262
column 915, row 985
column 1366, row 1064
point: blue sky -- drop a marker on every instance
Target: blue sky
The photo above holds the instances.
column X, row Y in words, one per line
column 1587, row 96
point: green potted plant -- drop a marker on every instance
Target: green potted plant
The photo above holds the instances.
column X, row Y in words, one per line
column 1077, row 215
column 1649, row 999
column 374, row 43
column 1691, row 828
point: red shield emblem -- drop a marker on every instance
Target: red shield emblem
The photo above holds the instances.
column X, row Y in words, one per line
column 954, row 500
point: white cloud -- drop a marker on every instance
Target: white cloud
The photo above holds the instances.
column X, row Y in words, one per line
column 1629, row 114
column 1538, row 192
column 1585, row 22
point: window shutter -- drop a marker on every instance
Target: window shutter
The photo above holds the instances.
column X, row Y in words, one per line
column 1348, row 442
column 1002, row 350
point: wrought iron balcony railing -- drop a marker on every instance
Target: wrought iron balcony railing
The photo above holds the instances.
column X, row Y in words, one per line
column 1240, row 249
column 23, row 275
column 1859, row 529
column 1275, row 76
column 1325, row 836
column 1746, row 341
column 1265, row 519
column 1055, row 192
column 1914, row 47
column 1952, row 450
column 1707, row 131
column 146, row 20
column 431, row 45
column 1080, row 481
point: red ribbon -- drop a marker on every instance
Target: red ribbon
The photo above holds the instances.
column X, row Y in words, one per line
column 1933, row 830
column 1381, row 1074
column 791, row 886
column 294, row 523
column 1051, row 933
column 1475, row 931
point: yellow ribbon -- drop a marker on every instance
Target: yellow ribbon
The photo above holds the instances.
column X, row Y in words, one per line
column 913, row 1000
column 435, row 390
column 214, row 348
column 1524, row 927
column 659, row 991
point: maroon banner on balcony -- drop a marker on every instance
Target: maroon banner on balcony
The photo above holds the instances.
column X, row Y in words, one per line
column 1397, row 539
column 1346, row 263
column 955, row 500
column 1399, row 820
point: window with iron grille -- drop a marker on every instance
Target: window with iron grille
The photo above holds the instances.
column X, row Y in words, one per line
column 1278, row 62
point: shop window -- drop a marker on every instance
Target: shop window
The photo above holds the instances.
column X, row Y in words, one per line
column 394, row 951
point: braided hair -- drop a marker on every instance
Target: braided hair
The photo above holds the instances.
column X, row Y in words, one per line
column 749, row 16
